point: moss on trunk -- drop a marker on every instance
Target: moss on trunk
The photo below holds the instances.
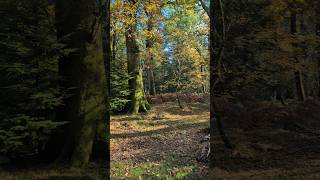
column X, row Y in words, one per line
column 83, row 77
column 139, row 102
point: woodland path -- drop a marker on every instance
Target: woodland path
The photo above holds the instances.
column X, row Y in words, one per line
column 162, row 144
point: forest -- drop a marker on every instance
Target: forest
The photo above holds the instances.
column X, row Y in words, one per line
column 159, row 89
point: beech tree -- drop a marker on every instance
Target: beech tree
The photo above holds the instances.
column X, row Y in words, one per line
column 82, row 70
column 138, row 101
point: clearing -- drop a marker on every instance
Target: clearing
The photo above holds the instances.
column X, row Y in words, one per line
column 159, row 145
column 272, row 142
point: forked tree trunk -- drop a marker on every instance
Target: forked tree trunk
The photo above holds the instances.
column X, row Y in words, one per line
column 83, row 77
column 297, row 74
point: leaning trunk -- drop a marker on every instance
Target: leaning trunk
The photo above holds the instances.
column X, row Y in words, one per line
column 83, row 77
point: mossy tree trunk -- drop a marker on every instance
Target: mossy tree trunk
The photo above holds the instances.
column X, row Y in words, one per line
column 138, row 100
column 101, row 148
column 82, row 70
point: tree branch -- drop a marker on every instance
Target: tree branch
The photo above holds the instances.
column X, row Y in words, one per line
column 205, row 7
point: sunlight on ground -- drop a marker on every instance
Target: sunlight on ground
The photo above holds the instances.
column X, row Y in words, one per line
column 159, row 145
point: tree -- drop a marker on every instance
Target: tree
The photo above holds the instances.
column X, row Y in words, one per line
column 213, row 77
column 317, row 7
column 216, row 49
column 138, row 101
column 152, row 10
column 297, row 74
column 82, row 70
column 29, row 77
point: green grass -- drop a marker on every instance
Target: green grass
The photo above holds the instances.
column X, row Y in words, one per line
column 150, row 170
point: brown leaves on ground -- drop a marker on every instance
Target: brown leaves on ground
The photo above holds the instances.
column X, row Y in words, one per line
column 167, row 136
column 271, row 141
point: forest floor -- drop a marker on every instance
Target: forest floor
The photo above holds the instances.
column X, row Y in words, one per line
column 271, row 142
column 161, row 144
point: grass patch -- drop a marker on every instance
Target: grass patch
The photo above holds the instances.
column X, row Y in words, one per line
column 151, row 170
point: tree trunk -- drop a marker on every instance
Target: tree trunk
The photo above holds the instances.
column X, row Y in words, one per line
column 83, row 77
column 297, row 74
column 318, row 34
column 213, row 79
column 114, row 45
column 149, row 57
column 215, row 118
column 138, row 100
column 153, row 83
column 101, row 149
column 202, row 70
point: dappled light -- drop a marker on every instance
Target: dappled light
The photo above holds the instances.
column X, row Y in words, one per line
column 159, row 89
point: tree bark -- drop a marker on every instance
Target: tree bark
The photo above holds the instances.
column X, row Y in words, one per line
column 149, row 57
column 297, row 74
column 215, row 73
column 213, row 79
column 101, row 149
column 318, row 34
column 83, row 77
column 138, row 100
column 204, row 88
column 114, row 45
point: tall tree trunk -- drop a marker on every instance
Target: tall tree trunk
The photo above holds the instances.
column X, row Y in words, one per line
column 149, row 57
column 297, row 74
column 83, row 76
column 213, row 79
column 153, row 82
column 318, row 34
column 101, row 147
column 114, row 45
column 215, row 14
column 138, row 100
column 202, row 70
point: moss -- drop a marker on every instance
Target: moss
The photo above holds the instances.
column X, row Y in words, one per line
column 84, row 73
column 140, row 102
